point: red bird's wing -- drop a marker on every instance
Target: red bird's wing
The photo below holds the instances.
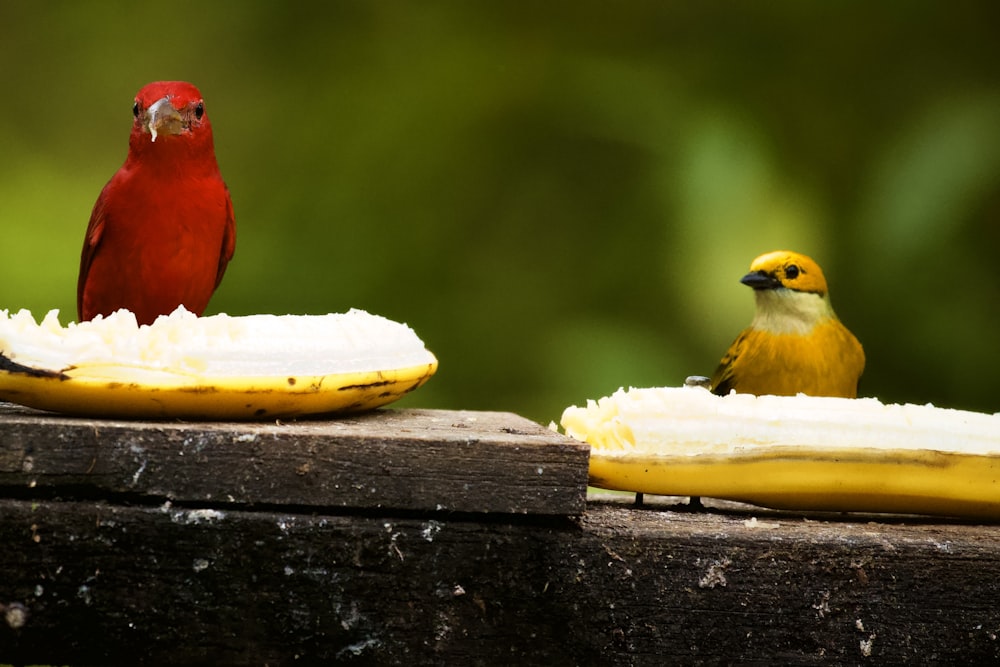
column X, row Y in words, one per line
column 90, row 242
column 228, row 240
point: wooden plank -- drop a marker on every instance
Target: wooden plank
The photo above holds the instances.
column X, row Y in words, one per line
column 417, row 460
column 101, row 584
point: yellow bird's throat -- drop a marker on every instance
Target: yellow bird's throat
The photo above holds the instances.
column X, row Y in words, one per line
column 785, row 311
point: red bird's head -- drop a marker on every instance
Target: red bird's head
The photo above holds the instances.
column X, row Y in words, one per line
column 167, row 112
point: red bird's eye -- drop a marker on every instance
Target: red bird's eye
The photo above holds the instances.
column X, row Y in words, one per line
column 199, row 110
column 135, row 109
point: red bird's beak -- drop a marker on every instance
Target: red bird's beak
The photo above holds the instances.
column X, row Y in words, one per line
column 162, row 117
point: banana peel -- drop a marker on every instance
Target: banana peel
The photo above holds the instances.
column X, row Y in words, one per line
column 218, row 367
column 794, row 453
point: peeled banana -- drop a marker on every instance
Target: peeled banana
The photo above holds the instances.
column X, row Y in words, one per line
column 218, row 367
column 797, row 453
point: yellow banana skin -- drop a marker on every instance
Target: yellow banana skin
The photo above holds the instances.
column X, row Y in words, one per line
column 789, row 456
column 894, row 481
column 218, row 367
column 131, row 392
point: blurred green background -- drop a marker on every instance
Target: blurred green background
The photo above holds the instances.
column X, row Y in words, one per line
column 559, row 197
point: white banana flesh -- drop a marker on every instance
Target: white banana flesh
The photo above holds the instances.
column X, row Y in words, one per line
column 218, row 367
column 800, row 453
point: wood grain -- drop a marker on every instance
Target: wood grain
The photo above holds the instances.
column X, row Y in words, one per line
column 105, row 584
column 411, row 460
column 442, row 537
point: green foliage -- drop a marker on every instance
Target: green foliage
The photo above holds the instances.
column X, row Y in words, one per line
column 559, row 197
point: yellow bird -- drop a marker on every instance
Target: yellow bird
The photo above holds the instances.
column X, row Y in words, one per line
column 795, row 342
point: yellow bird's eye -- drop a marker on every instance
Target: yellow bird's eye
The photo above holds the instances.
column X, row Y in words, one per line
column 791, row 272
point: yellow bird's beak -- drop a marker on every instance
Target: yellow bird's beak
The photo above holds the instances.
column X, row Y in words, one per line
column 760, row 280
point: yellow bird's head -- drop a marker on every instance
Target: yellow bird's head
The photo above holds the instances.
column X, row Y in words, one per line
column 791, row 292
column 788, row 270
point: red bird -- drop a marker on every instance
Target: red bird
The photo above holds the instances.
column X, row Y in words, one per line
column 162, row 230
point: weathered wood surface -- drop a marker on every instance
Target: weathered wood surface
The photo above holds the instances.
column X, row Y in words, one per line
column 460, row 461
column 439, row 537
column 102, row 584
